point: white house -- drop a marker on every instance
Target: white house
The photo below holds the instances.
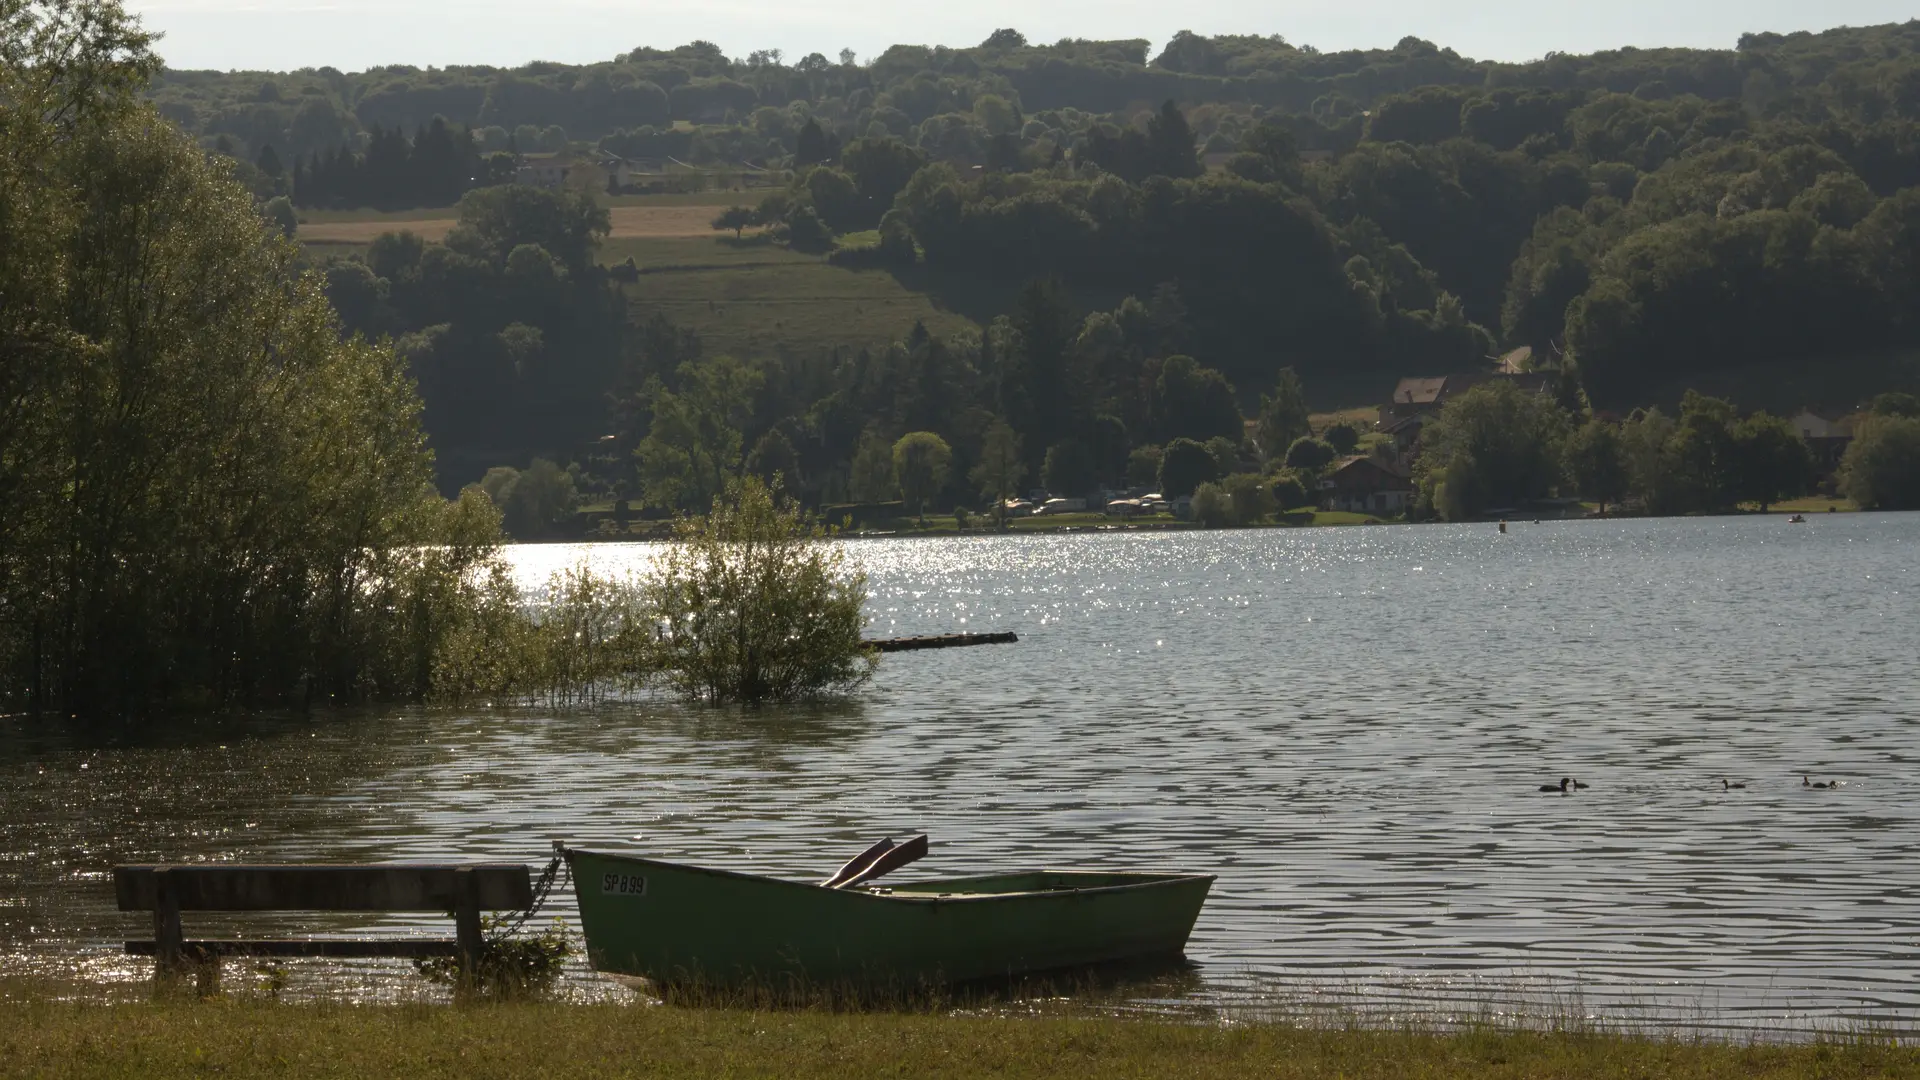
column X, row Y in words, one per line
column 548, row 172
column 1827, row 433
column 1822, row 425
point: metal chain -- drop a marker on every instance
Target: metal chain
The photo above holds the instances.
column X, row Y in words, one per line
column 541, row 889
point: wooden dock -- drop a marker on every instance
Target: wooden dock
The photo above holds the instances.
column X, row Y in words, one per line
column 942, row 641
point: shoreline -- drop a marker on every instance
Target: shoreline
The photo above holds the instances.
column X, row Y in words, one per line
column 1333, row 519
column 247, row 1036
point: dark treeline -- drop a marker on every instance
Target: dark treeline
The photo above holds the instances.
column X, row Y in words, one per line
column 964, row 96
column 433, row 168
column 510, row 327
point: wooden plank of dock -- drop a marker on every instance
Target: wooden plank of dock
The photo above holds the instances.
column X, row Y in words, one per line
column 942, row 641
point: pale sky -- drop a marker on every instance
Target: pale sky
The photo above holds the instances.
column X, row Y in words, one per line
column 355, row 34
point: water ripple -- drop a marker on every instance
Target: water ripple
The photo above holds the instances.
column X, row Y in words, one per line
column 1348, row 726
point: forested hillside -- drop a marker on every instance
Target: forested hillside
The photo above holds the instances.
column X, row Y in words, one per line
column 1746, row 221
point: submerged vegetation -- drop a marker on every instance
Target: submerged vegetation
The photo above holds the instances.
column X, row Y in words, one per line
column 754, row 608
column 749, row 606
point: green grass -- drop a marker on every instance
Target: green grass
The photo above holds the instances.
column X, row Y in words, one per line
column 1362, row 417
column 769, row 297
column 250, row 1038
column 745, row 197
column 422, row 213
column 1340, row 517
column 319, row 252
column 1813, row 504
column 719, row 251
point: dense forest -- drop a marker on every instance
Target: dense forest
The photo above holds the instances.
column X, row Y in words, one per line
column 1746, row 221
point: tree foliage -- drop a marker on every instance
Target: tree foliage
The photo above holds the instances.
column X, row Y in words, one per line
column 1881, row 470
column 757, row 606
column 1645, row 220
column 1283, row 416
column 212, row 498
column 921, row 464
column 1184, row 466
column 1596, row 462
column 1495, row 445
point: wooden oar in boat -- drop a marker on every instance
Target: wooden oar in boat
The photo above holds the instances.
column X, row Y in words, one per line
column 857, row 863
column 890, row 860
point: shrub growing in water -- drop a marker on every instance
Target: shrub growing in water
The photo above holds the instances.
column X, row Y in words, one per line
column 586, row 638
column 754, row 606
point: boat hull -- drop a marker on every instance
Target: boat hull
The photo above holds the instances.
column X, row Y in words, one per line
column 675, row 924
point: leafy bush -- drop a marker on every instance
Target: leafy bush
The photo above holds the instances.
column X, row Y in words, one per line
column 1309, row 453
column 509, row 967
column 1212, row 506
column 1881, row 470
column 1252, row 498
column 1184, row 466
column 1289, row 493
column 756, row 607
column 1143, row 465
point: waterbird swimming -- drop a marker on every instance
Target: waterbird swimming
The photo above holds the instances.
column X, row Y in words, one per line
column 1561, row 787
column 1725, row 786
column 1578, row 786
column 1804, row 782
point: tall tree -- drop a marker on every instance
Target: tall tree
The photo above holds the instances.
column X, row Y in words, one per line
column 1771, row 460
column 921, row 463
column 1170, row 144
column 1597, row 462
column 1000, row 469
column 1495, row 445
column 814, row 146
column 1184, row 466
column 1705, row 448
column 693, row 443
column 1283, row 416
column 1881, row 469
column 872, row 469
column 1069, row 471
column 1045, row 396
column 1194, row 402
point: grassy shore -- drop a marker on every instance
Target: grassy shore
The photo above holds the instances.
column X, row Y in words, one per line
column 251, row 1038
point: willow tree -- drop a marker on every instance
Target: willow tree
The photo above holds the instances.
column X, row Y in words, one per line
column 211, row 499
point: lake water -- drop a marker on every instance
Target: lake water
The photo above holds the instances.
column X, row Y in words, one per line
column 1348, row 726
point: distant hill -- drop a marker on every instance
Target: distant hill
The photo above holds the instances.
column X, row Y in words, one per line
column 761, row 96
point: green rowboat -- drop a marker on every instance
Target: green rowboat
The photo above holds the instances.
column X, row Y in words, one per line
column 687, row 925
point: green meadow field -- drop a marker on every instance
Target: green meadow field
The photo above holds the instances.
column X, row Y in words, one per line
column 744, row 296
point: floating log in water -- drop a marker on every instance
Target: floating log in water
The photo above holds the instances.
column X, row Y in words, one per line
column 942, row 641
